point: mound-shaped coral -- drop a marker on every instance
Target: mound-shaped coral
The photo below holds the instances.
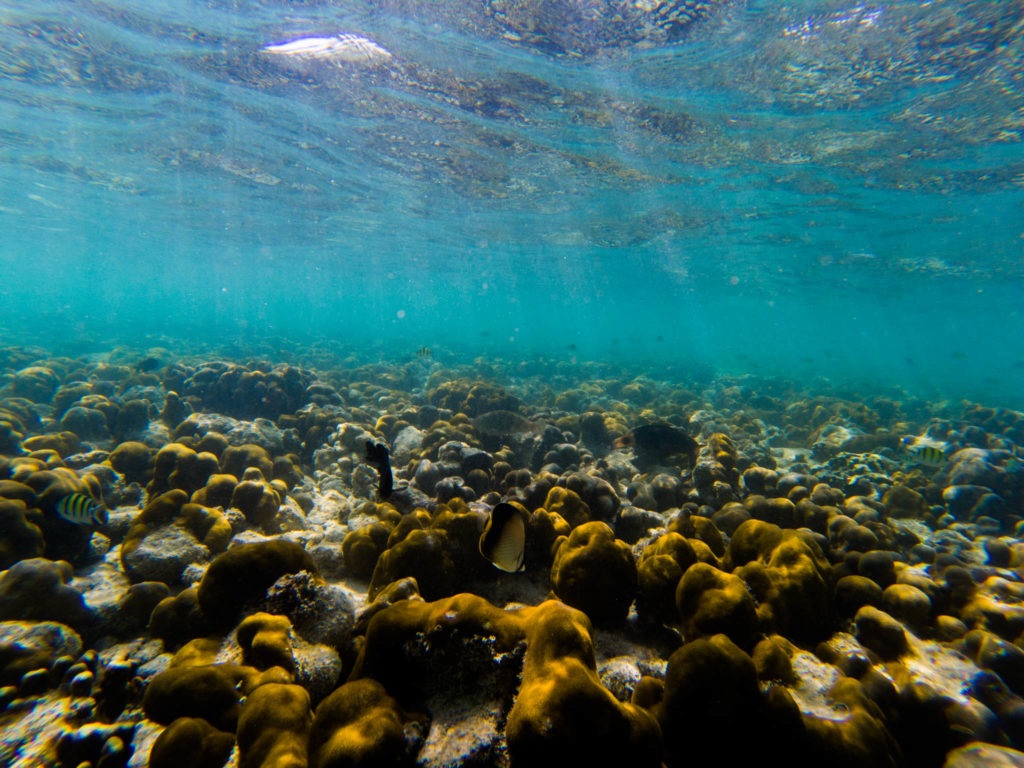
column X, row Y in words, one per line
column 595, row 572
column 243, row 574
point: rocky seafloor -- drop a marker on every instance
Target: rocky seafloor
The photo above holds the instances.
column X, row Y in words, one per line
column 800, row 588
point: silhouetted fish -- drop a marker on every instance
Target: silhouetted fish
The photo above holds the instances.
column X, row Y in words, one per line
column 149, row 364
column 653, row 443
column 500, row 423
column 503, row 541
column 377, row 455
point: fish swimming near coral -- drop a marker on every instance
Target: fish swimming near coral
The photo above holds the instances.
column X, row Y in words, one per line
column 424, row 353
column 503, row 541
column 654, row 443
column 926, row 452
column 149, row 364
column 502, row 423
column 82, row 509
column 377, row 456
column 343, row 48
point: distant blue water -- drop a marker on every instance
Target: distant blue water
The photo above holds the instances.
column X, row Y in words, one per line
column 812, row 189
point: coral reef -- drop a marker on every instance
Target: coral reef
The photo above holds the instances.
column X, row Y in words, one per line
column 799, row 587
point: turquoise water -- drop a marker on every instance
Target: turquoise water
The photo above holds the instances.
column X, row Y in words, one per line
column 810, row 189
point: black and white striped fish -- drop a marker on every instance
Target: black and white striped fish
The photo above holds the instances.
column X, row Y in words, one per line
column 82, row 509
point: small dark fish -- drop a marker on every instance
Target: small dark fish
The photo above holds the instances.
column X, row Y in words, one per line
column 149, row 364
column 377, row 455
column 82, row 509
column 503, row 541
column 424, row 352
column 656, row 442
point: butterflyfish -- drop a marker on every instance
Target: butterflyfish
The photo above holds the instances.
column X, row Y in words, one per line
column 503, row 541
column 82, row 509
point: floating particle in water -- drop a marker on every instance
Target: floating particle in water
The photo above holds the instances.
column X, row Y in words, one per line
column 344, row 48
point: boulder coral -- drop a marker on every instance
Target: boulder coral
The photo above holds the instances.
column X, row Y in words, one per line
column 710, row 688
column 242, row 574
column 178, row 466
column 595, row 572
column 425, row 555
column 712, row 602
column 659, row 569
column 568, row 505
column 20, row 534
column 169, row 534
column 194, row 740
column 38, row 589
column 273, row 727
column 213, row 692
column 789, row 576
column 360, row 724
column 561, row 711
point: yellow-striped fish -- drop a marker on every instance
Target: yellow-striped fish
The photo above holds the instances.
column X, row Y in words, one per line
column 926, row 453
column 82, row 509
column 503, row 541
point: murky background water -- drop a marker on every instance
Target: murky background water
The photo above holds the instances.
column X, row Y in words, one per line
column 814, row 189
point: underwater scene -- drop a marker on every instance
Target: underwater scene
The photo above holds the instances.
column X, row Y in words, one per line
column 514, row 383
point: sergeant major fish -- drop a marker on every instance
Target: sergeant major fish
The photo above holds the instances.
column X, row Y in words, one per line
column 926, row 452
column 82, row 509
